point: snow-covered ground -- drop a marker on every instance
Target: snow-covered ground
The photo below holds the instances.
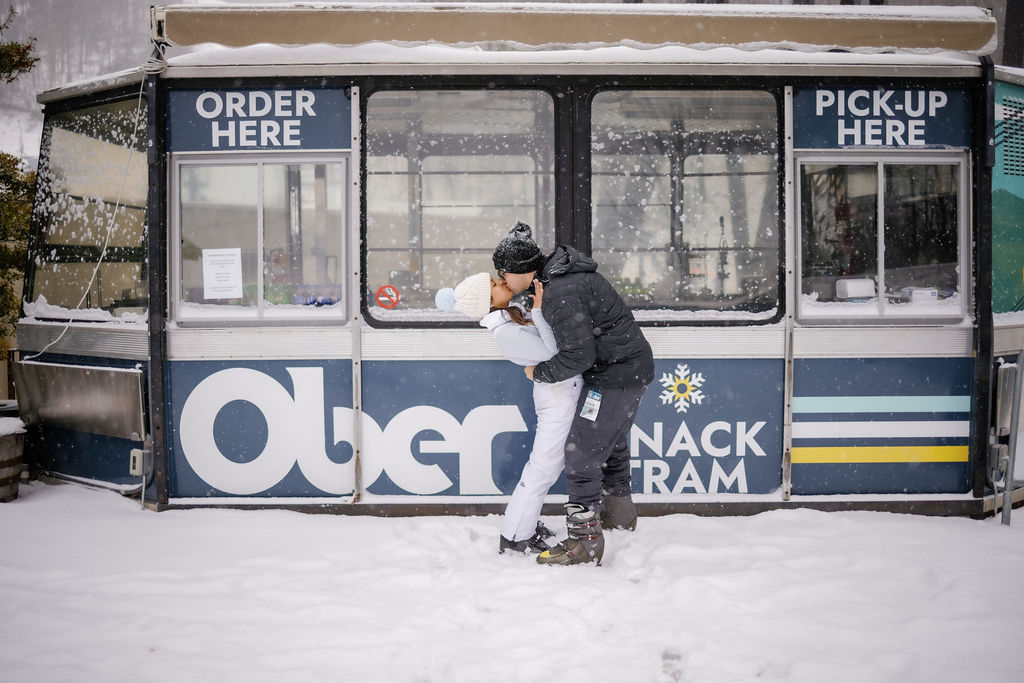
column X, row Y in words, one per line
column 92, row 588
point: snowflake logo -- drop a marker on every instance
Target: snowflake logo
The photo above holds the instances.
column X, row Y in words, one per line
column 682, row 388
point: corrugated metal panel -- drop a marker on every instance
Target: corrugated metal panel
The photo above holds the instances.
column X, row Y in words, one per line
column 667, row 342
column 1007, row 339
column 84, row 339
column 882, row 342
column 258, row 342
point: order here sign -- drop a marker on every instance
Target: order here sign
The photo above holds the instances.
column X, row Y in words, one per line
column 240, row 119
column 876, row 116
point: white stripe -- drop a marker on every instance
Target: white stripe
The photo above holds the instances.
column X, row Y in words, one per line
column 880, row 429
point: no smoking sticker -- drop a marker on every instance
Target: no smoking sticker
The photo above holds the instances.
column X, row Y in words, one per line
column 387, row 297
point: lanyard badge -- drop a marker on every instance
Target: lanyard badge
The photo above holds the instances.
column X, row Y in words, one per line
column 591, row 405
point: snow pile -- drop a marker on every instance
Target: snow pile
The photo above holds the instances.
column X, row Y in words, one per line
column 42, row 309
column 212, row 54
column 1013, row 318
column 95, row 589
column 11, row 425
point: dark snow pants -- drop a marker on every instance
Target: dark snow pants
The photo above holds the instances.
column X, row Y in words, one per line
column 597, row 452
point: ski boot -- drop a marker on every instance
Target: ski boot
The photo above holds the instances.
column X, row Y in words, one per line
column 585, row 542
column 535, row 544
column 617, row 512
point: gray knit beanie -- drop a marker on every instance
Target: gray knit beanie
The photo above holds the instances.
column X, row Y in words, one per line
column 517, row 252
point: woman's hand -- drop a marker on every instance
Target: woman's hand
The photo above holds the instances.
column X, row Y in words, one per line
column 538, row 293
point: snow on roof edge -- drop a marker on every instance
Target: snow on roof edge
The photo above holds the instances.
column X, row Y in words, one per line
column 495, row 53
column 88, row 85
column 915, row 12
column 627, row 52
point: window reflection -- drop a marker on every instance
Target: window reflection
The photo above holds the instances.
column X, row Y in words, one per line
column 218, row 211
column 920, row 233
column 301, row 236
column 91, row 205
column 839, row 239
column 684, row 199
column 261, row 239
column 448, row 174
column 842, row 274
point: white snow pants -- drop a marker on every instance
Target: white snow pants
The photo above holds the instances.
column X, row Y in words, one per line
column 555, row 405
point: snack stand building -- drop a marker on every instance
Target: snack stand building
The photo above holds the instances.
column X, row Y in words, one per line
column 813, row 215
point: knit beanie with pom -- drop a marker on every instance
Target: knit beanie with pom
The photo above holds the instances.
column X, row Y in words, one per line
column 517, row 252
column 471, row 297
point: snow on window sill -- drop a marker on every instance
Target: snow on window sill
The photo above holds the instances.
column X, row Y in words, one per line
column 42, row 310
column 811, row 309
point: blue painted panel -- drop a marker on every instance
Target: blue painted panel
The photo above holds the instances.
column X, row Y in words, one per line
column 260, row 428
column 254, row 118
column 80, row 454
column 875, row 116
column 880, row 478
column 710, row 432
column 453, row 428
column 465, row 428
column 710, row 425
column 448, row 427
column 882, row 425
column 890, row 377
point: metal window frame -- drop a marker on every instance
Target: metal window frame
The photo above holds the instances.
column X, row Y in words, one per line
column 125, row 95
column 262, row 316
column 532, row 86
column 710, row 316
column 879, row 159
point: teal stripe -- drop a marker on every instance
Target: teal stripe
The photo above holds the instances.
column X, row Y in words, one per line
column 881, row 404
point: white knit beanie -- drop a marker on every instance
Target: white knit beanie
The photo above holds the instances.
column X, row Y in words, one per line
column 473, row 296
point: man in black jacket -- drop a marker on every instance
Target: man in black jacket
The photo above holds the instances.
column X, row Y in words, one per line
column 598, row 337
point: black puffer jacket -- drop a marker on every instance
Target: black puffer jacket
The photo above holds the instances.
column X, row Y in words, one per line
column 595, row 332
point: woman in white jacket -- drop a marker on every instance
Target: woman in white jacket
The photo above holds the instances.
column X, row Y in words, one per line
column 524, row 339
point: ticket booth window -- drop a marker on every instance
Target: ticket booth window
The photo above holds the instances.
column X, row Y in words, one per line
column 260, row 240
column 881, row 240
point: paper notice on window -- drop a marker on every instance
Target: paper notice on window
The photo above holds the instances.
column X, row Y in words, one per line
column 222, row 273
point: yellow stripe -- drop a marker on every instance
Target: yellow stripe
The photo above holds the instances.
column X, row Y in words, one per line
column 841, row 454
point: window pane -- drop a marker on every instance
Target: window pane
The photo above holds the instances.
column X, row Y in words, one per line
column 921, row 219
column 842, row 272
column 684, row 199
column 219, row 212
column 94, row 159
column 302, row 219
column 448, row 174
column 839, row 238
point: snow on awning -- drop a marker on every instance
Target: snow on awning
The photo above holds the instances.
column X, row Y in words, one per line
column 968, row 30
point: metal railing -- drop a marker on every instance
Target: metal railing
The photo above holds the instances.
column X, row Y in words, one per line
column 1010, row 382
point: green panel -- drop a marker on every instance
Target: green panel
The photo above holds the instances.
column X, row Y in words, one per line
column 1008, row 201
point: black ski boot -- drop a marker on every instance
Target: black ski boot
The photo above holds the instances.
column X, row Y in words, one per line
column 543, row 532
column 535, row 544
column 617, row 512
column 585, row 542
